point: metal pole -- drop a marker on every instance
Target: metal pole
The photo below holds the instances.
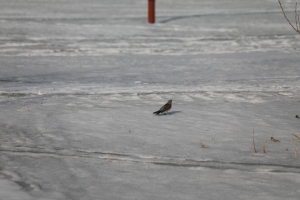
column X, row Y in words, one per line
column 151, row 11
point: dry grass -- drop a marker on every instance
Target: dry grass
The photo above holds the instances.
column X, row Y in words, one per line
column 254, row 147
column 264, row 148
column 203, row 145
column 297, row 18
column 296, row 138
column 264, row 145
column 295, row 152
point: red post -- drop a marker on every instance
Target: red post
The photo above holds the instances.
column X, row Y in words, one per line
column 151, row 11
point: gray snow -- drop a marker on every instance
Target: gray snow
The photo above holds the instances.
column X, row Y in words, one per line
column 79, row 81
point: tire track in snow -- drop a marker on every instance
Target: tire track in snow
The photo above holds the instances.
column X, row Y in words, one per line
column 162, row 161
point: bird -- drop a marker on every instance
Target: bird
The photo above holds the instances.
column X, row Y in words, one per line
column 165, row 108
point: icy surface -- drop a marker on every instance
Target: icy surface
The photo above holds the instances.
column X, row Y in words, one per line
column 79, row 81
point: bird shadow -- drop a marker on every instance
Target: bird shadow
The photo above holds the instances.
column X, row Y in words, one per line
column 170, row 113
column 174, row 112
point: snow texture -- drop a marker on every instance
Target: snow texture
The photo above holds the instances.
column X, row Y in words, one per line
column 79, row 81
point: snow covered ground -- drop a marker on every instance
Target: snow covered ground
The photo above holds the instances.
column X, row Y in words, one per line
column 79, row 81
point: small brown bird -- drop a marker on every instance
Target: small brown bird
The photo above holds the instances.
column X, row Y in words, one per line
column 165, row 108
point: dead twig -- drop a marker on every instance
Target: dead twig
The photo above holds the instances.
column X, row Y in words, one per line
column 296, row 18
column 274, row 140
column 264, row 145
column 129, row 131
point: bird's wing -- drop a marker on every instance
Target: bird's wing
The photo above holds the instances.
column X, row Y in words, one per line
column 162, row 108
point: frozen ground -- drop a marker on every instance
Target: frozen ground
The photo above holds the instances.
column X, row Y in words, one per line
column 79, row 81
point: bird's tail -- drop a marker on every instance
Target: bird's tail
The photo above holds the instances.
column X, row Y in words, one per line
column 157, row 112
